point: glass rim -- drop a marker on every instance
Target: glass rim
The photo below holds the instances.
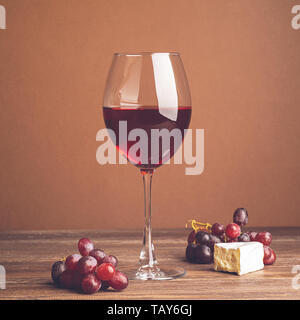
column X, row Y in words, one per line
column 146, row 53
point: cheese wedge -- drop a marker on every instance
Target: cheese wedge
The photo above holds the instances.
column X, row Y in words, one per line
column 239, row 257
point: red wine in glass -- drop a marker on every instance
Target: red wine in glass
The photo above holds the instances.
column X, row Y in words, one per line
column 148, row 91
column 147, row 118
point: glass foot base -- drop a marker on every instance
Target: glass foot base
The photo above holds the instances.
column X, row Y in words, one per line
column 158, row 272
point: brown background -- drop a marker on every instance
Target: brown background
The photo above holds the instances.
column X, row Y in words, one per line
column 242, row 61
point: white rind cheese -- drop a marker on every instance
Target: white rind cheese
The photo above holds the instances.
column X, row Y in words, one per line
column 239, row 257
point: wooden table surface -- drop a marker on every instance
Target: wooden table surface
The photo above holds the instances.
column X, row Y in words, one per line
column 28, row 255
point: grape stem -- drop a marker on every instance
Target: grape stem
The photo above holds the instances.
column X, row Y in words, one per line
column 196, row 225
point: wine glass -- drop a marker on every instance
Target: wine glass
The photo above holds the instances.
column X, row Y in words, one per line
column 147, row 91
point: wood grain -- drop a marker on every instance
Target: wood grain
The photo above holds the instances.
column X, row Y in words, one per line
column 28, row 256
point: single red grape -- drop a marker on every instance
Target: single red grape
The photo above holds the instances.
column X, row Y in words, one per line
column 57, row 269
column 98, row 254
column 66, row 279
column 270, row 256
column 90, row 284
column 85, row 245
column 267, row 252
column 110, row 259
column 86, row 265
column 119, row 281
column 217, row 229
column 77, row 278
column 72, row 260
column 233, row 230
column 105, row 271
column 264, row 237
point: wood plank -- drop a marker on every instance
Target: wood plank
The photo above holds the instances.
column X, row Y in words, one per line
column 28, row 256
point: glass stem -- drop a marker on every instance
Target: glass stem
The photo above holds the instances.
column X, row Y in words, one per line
column 147, row 255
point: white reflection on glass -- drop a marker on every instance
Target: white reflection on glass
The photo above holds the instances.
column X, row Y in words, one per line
column 165, row 85
column 129, row 91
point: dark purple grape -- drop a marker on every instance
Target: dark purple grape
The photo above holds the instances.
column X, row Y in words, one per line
column 213, row 240
column 85, row 245
column 57, row 269
column 86, row 265
column 223, row 238
column 90, row 284
column 98, row 254
column 119, row 281
column 190, row 252
column 66, row 279
column 217, row 229
column 202, row 237
column 203, row 254
column 104, row 285
column 110, row 259
column 240, row 217
column 252, row 235
column 72, row 260
column 244, row 238
column 198, row 236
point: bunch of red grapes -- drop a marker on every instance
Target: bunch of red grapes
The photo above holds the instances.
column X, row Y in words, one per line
column 90, row 271
column 202, row 239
